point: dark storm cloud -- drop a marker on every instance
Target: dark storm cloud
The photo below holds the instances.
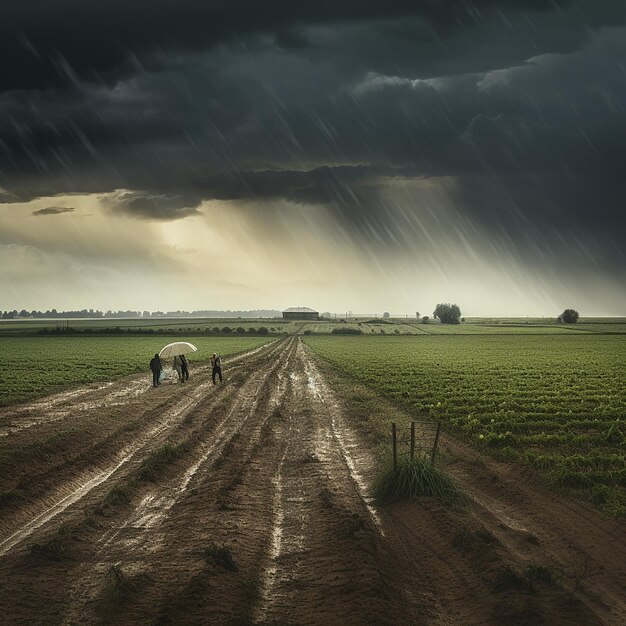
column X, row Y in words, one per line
column 522, row 103
column 54, row 210
column 68, row 39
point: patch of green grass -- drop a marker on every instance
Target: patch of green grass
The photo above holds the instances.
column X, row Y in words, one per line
column 413, row 479
column 221, row 555
column 157, row 462
column 78, row 360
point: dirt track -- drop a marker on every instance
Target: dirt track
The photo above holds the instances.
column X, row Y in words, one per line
column 268, row 466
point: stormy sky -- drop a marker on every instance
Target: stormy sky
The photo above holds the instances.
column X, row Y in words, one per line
column 345, row 155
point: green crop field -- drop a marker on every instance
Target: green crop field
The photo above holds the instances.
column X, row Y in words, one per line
column 32, row 366
column 557, row 402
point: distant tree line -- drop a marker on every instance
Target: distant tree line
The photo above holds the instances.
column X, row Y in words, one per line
column 96, row 314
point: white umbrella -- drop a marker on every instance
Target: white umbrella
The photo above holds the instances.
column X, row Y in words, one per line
column 177, row 348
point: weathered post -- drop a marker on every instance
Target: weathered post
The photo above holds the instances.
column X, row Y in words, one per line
column 394, row 446
column 412, row 440
column 436, row 444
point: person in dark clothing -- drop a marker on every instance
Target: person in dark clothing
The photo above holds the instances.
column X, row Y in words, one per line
column 184, row 364
column 216, row 362
column 155, row 366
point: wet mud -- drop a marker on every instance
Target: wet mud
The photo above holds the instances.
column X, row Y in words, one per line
column 250, row 502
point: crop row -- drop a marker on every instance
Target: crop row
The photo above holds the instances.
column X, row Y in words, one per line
column 526, row 397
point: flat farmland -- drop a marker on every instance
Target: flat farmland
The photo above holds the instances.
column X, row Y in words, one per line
column 558, row 402
column 251, row 501
column 33, row 366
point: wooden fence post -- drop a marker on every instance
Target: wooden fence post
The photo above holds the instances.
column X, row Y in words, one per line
column 394, row 446
column 434, row 454
column 412, row 440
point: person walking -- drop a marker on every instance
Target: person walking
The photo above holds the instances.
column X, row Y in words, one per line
column 184, row 364
column 216, row 362
column 155, row 366
column 178, row 367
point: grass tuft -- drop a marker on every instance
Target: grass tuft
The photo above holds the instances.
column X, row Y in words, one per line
column 414, row 479
column 155, row 464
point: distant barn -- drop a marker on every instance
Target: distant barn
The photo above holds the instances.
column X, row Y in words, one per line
column 300, row 313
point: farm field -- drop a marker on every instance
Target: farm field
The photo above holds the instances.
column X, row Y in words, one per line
column 558, row 403
column 33, row 366
column 278, row 327
column 250, row 502
column 156, row 325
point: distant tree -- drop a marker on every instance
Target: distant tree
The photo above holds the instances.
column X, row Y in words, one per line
column 417, row 315
column 386, row 315
column 569, row 316
column 447, row 313
column 425, row 319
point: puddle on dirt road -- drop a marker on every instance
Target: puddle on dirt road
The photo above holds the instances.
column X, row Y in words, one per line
column 282, row 542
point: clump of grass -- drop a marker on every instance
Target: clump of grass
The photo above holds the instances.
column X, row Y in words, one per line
column 414, row 478
column 222, row 556
column 156, row 463
column 52, row 550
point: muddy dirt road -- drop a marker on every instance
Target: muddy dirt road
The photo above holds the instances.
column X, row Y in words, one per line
column 248, row 502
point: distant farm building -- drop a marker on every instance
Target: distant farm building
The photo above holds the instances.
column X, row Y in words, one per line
column 300, row 313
